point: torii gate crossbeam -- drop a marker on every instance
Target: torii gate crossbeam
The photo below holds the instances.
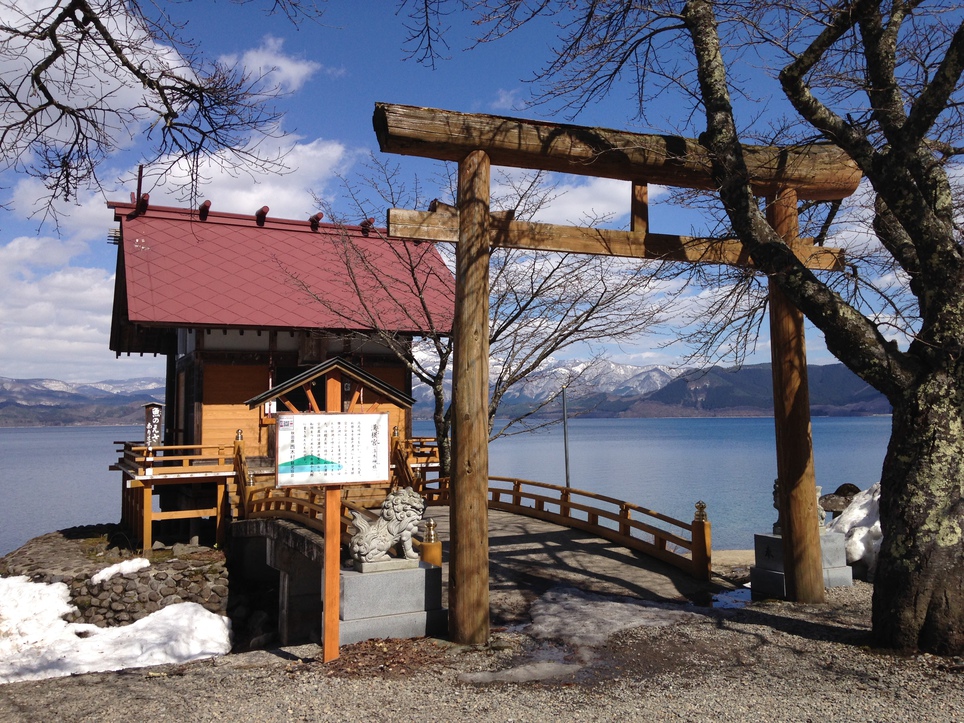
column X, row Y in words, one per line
column 784, row 175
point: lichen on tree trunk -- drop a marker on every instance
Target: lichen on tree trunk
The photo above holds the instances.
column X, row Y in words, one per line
column 919, row 583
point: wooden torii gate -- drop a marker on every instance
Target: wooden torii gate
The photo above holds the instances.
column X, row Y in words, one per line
column 474, row 141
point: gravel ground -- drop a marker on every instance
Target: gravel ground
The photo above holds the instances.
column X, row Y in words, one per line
column 770, row 661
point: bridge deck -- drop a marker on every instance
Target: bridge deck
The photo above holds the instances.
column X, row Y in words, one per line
column 528, row 556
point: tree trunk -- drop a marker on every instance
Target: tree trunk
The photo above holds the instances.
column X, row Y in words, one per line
column 919, row 583
column 440, row 416
column 444, row 452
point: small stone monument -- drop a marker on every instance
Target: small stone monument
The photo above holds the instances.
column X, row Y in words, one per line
column 767, row 578
column 398, row 521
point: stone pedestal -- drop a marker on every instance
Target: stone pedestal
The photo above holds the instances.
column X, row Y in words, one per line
column 767, row 576
column 391, row 604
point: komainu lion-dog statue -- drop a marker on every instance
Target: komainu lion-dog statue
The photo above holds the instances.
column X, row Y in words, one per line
column 400, row 515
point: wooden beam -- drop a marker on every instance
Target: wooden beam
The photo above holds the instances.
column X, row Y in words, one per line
column 468, row 510
column 639, row 208
column 443, row 225
column 312, row 402
column 819, row 172
column 802, row 559
column 333, row 392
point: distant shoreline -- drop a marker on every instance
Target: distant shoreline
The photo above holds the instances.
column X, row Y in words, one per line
column 429, row 419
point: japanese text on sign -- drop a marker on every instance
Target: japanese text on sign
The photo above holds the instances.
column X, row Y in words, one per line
column 327, row 449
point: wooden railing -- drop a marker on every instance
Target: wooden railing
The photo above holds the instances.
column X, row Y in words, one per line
column 180, row 460
column 147, row 469
column 685, row 545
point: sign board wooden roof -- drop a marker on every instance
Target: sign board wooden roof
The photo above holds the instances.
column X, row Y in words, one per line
column 346, row 368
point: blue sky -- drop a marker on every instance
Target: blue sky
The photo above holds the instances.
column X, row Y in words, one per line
column 56, row 288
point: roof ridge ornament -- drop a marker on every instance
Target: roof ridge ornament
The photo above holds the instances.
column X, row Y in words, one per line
column 140, row 203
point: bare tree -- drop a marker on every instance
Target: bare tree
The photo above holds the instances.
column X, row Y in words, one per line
column 882, row 81
column 540, row 305
column 80, row 78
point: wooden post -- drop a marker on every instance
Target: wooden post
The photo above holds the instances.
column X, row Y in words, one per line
column 331, row 585
column 333, row 392
column 147, row 515
column 331, row 573
column 221, row 516
column 639, row 208
column 802, row 561
column 468, row 510
column 702, row 553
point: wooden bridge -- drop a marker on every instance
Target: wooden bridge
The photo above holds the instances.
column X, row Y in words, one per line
column 221, row 482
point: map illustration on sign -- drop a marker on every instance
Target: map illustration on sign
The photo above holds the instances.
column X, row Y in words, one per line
column 331, row 448
column 307, row 464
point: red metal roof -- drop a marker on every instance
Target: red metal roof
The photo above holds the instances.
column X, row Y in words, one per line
column 228, row 271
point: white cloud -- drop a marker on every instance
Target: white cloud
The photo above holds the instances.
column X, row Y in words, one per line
column 55, row 316
column 506, row 100
column 54, row 340
column 268, row 62
column 580, row 199
column 313, row 166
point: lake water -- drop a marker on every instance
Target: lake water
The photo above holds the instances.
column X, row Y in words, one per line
column 57, row 477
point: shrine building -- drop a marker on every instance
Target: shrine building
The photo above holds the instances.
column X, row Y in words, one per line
column 239, row 304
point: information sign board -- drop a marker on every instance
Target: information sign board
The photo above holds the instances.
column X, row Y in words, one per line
column 331, row 449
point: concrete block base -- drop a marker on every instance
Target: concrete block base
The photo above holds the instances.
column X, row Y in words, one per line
column 390, row 592
column 771, row 584
column 391, row 604
column 407, row 625
column 767, row 577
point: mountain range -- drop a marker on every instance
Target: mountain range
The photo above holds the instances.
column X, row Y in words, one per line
column 52, row 403
column 606, row 389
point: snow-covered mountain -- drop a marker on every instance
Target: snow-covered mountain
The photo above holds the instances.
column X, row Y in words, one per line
column 53, row 391
column 599, row 378
column 46, row 402
column 600, row 389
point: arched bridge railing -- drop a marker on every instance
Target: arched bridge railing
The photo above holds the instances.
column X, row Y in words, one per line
column 685, row 545
column 250, row 493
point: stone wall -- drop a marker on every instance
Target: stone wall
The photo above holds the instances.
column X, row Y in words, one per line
column 74, row 556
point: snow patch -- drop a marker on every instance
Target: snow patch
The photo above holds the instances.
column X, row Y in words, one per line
column 586, row 620
column 121, row 568
column 860, row 523
column 37, row 643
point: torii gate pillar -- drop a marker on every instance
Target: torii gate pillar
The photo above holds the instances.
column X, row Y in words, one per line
column 802, row 560
column 468, row 513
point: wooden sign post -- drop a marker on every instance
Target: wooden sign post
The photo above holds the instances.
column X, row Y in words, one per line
column 331, row 579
